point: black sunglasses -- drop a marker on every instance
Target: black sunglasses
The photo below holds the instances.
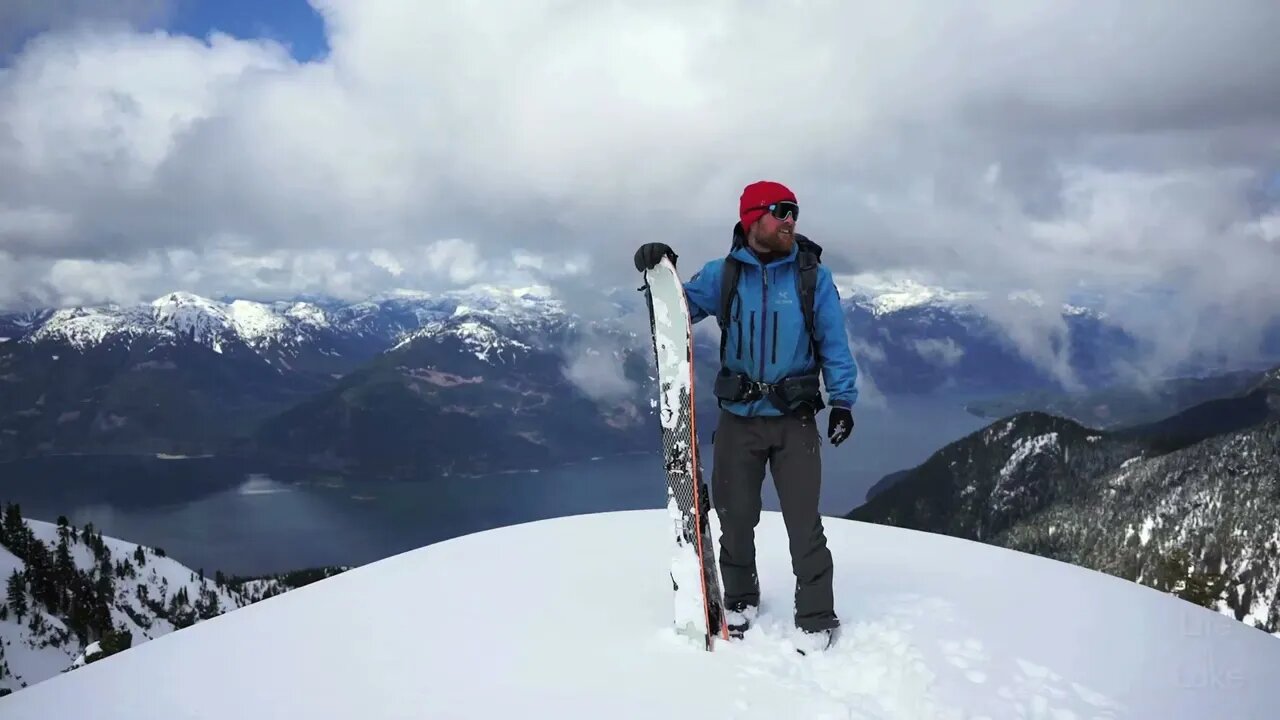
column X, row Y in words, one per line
column 782, row 209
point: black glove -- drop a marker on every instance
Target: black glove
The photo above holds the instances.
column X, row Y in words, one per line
column 650, row 254
column 839, row 425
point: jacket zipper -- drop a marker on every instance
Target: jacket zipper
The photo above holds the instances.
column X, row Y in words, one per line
column 752, row 334
column 764, row 313
column 774, row 351
column 739, row 319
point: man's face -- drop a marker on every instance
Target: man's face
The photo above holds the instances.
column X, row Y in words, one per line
column 776, row 235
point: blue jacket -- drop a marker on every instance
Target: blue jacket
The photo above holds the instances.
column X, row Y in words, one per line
column 770, row 325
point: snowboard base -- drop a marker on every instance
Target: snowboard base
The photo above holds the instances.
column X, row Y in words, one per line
column 698, row 602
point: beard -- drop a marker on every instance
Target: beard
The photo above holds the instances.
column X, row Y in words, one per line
column 780, row 240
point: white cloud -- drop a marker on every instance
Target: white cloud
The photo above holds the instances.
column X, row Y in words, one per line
column 595, row 366
column 20, row 19
column 942, row 351
column 1011, row 146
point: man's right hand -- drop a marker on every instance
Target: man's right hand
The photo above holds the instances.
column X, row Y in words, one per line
column 650, row 254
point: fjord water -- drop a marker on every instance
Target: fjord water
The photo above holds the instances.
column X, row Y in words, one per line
column 241, row 517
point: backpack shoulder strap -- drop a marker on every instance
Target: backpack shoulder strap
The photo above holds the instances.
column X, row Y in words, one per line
column 728, row 290
column 807, row 259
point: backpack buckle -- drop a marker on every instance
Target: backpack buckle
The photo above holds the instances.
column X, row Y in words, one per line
column 756, row 390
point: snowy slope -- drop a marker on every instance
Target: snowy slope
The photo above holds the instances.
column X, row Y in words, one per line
column 33, row 657
column 152, row 596
column 574, row 622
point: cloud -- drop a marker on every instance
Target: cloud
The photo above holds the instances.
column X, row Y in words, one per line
column 865, row 355
column 23, row 19
column 1124, row 151
column 943, row 351
column 595, row 365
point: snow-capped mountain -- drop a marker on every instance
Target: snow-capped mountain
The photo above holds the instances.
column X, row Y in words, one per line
column 287, row 328
column 884, row 295
column 934, row 628
column 478, row 391
column 1180, row 504
column 185, row 316
column 888, row 294
column 915, row 338
column 188, row 374
column 492, row 322
column 73, row 597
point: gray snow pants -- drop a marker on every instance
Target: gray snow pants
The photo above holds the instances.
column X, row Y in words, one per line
column 790, row 445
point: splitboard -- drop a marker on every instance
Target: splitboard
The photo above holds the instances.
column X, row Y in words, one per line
column 699, row 605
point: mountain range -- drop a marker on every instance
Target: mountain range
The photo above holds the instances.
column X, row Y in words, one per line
column 409, row 383
column 1186, row 504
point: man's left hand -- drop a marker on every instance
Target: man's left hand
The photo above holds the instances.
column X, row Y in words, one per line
column 839, row 425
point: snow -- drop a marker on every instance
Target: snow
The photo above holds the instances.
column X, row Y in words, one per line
column 1024, row 448
column 181, row 314
column 492, row 322
column 27, row 660
column 190, row 315
column 672, row 348
column 477, row 336
column 997, row 435
column 687, row 609
column 935, row 627
column 85, row 327
column 307, row 314
column 255, row 321
column 887, row 293
column 1144, row 533
column 34, row 660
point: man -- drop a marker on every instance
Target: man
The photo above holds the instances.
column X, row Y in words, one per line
column 769, row 398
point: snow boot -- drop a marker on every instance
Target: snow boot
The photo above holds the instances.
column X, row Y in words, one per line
column 810, row 641
column 740, row 620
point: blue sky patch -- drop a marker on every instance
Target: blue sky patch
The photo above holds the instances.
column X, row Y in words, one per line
column 292, row 23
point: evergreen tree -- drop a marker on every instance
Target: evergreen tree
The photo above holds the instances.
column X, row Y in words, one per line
column 15, row 530
column 64, row 567
column 41, row 575
column 112, row 642
column 104, row 582
column 18, row 594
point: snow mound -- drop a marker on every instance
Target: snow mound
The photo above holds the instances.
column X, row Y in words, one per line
column 571, row 618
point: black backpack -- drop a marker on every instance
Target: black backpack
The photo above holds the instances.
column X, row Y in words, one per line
column 808, row 257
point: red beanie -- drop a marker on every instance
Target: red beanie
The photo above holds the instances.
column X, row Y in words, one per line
column 758, row 194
